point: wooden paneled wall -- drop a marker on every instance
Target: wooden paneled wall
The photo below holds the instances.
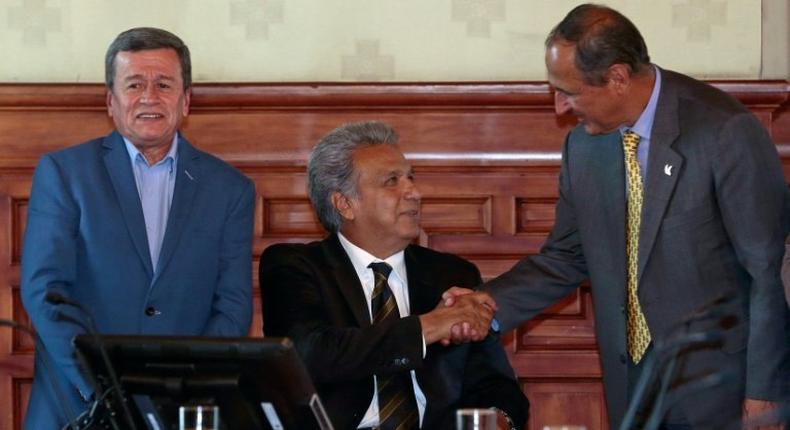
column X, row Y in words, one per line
column 486, row 158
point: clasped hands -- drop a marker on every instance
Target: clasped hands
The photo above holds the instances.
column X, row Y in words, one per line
column 463, row 315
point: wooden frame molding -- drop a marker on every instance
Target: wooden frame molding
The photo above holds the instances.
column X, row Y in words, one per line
column 486, row 157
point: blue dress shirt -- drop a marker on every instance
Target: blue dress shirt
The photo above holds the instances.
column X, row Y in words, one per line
column 644, row 125
column 155, row 185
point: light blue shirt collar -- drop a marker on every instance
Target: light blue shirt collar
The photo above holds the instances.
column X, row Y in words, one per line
column 134, row 152
column 644, row 125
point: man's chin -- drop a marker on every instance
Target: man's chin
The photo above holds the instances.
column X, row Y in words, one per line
column 152, row 139
column 591, row 128
column 410, row 234
column 595, row 129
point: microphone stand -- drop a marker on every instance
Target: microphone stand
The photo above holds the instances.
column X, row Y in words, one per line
column 665, row 356
column 43, row 354
column 58, row 299
column 705, row 381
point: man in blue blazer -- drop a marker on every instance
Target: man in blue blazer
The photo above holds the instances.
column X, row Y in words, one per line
column 149, row 234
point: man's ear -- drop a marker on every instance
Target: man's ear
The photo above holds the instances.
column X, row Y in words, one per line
column 619, row 75
column 187, row 100
column 343, row 206
column 109, row 101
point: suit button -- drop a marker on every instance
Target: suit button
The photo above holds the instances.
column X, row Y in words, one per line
column 623, row 358
column 150, row 311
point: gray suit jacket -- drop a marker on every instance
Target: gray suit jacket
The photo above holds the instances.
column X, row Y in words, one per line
column 713, row 223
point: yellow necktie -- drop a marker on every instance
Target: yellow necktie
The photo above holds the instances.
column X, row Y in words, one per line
column 637, row 330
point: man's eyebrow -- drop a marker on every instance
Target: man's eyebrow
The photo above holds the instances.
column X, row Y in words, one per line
column 157, row 77
column 559, row 89
column 393, row 172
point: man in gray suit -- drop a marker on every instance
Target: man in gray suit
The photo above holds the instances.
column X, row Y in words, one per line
column 689, row 215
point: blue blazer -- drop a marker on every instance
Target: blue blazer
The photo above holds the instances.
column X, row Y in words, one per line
column 86, row 239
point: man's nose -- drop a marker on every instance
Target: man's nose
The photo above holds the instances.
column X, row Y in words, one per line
column 411, row 191
column 561, row 105
column 150, row 92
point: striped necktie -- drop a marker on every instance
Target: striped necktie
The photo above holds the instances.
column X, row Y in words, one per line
column 637, row 330
column 397, row 405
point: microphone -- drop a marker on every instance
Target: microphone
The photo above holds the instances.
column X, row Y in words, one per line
column 702, row 382
column 56, row 298
column 663, row 352
column 666, row 353
column 54, row 381
column 709, row 310
column 677, row 344
column 673, row 351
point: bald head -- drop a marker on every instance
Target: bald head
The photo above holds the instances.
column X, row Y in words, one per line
column 602, row 37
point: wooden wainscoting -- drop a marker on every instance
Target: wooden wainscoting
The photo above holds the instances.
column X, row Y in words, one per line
column 486, row 157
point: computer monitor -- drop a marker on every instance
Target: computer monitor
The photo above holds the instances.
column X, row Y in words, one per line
column 256, row 383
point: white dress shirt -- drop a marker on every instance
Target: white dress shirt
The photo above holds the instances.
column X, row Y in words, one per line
column 398, row 283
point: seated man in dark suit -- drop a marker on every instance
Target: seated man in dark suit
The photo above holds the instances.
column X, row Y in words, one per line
column 361, row 305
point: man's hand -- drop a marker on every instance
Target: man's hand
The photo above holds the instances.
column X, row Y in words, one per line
column 468, row 313
column 755, row 410
column 460, row 333
column 453, row 293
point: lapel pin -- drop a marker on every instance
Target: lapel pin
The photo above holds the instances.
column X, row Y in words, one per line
column 668, row 169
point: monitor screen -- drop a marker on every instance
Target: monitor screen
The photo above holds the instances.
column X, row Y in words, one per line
column 256, row 383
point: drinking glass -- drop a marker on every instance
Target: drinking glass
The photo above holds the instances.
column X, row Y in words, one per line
column 564, row 427
column 475, row 419
column 198, row 417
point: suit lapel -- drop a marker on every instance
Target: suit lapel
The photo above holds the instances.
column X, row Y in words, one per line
column 188, row 177
column 119, row 169
column 421, row 284
column 611, row 173
column 346, row 279
column 664, row 169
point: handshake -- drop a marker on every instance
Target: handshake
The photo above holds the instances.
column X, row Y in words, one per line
column 462, row 316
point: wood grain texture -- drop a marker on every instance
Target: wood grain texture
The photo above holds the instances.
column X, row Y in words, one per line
column 486, row 157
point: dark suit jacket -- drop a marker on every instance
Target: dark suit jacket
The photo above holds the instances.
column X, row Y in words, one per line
column 312, row 294
column 713, row 223
column 86, row 239
column 786, row 270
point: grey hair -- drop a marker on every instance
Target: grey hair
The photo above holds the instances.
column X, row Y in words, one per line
column 144, row 39
column 331, row 166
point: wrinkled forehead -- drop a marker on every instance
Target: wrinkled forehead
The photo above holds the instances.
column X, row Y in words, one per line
column 164, row 61
column 380, row 159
